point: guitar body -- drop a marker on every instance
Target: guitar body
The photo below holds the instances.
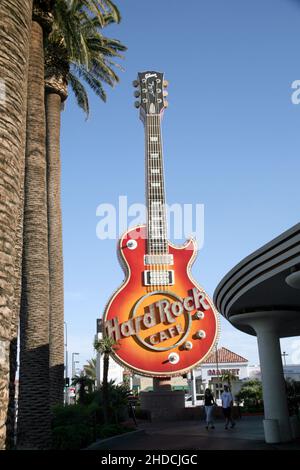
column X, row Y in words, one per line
column 133, row 299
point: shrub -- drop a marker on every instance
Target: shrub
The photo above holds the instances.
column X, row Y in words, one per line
column 142, row 414
column 109, row 430
column 70, row 414
column 251, row 395
column 71, row 436
column 117, row 401
column 77, row 426
column 73, row 426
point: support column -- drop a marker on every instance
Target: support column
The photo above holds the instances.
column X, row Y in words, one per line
column 274, row 392
column 267, row 326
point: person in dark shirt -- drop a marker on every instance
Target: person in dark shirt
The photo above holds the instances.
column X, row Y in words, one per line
column 209, row 403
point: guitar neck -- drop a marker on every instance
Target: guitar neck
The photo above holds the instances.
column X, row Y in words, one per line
column 156, row 224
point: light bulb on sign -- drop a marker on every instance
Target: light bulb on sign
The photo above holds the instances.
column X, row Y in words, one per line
column 173, row 358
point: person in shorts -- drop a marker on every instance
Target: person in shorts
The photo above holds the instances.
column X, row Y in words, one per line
column 227, row 402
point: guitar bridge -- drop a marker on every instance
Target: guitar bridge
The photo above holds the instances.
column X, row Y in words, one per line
column 159, row 278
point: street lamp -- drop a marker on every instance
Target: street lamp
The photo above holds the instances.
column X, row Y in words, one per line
column 74, row 362
column 66, row 351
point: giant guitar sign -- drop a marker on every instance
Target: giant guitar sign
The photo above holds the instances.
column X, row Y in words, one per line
column 163, row 322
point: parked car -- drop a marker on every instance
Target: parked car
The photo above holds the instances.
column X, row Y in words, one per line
column 199, row 400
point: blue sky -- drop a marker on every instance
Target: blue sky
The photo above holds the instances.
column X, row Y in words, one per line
column 231, row 142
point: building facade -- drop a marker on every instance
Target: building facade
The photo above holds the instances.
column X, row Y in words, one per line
column 219, row 364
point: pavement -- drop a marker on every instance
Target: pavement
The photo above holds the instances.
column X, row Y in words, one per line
column 192, row 435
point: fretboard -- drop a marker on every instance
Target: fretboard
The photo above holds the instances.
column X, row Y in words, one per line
column 156, row 224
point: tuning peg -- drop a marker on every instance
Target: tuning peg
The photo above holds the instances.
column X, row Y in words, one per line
column 135, row 83
column 166, row 104
column 137, row 104
column 137, row 93
column 165, row 93
column 165, row 83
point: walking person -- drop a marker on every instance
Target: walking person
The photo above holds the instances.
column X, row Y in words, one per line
column 227, row 402
column 209, row 403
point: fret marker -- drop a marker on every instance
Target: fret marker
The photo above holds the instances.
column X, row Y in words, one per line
column 154, row 155
column 153, row 139
column 155, row 185
column 155, row 171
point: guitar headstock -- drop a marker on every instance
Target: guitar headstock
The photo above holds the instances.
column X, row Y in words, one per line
column 151, row 92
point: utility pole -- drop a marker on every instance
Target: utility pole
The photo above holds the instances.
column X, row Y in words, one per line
column 193, row 386
column 217, row 393
column 66, row 351
column 66, row 365
column 284, row 354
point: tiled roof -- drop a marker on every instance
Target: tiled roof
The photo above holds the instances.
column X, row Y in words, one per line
column 223, row 355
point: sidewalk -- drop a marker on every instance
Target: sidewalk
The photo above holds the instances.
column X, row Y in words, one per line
column 192, row 435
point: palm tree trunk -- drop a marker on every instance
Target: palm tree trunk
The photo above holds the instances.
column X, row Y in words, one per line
column 13, row 350
column 15, row 21
column 105, row 386
column 34, row 410
column 56, row 345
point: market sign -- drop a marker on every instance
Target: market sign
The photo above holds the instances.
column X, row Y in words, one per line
column 218, row 372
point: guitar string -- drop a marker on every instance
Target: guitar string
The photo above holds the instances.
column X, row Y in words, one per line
column 152, row 268
column 158, row 167
column 154, row 195
column 147, row 149
column 152, row 192
column 159, row 249
column 159, row 180
column 149, row 247
column 163, row 267
column 159, row 206
column 162, row 191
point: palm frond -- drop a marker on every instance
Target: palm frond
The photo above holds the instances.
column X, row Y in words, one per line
column 92, row 80
column 80, row 93
column 104, row 72
column 103, row 7
column 105, row 345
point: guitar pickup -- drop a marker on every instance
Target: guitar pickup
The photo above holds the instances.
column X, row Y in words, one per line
column 159, row 278
column 159, row 259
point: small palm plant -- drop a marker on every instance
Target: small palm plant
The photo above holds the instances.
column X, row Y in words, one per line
column 85, row 384
column 105, row 346
column 229, row 377
column 90, row 369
